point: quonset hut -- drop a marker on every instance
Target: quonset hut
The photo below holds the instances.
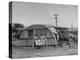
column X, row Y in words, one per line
column 29, row 33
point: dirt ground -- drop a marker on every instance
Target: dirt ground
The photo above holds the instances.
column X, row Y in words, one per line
column 27, row 52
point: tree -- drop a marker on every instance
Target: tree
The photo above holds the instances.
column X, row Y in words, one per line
column 16, row 31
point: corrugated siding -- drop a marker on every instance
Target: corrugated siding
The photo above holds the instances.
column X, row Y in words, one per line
column 31, row 42
column 23, row 43
column 24, row 34
column 48, row 34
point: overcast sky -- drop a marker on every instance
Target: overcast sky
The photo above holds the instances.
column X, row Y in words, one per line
column 38, row 13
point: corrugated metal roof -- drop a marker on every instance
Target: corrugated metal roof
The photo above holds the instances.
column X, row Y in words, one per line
column 38, row 26
column 41, row 26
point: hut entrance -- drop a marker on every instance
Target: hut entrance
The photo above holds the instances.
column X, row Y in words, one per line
column 30, row 33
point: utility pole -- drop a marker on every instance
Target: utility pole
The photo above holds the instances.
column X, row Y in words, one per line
column 56, row 17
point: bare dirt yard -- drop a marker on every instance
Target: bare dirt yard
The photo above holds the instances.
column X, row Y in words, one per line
column 27, row 52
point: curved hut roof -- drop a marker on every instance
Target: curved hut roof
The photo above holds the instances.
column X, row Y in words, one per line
column 40, row 26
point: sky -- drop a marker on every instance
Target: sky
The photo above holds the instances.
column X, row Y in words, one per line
column 43, row 13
